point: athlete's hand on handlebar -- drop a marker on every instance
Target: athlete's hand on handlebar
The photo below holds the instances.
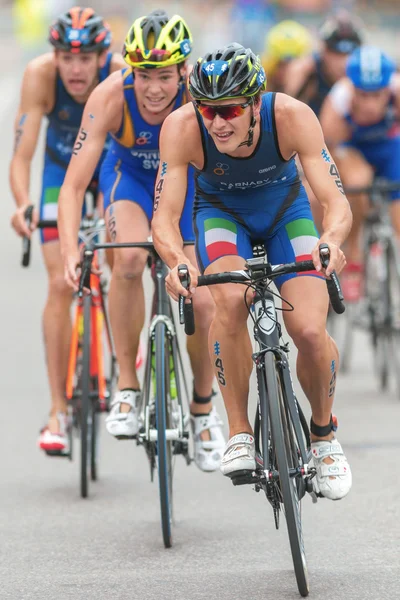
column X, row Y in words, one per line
column 19, row 224
column 337, row 260
column 173, row 283
column 72, row 269
column 72, row 262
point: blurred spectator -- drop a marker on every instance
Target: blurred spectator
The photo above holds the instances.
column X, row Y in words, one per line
column 250, row 21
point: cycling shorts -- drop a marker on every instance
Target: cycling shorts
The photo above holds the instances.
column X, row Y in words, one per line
column 384, row 157
column 53, row 178
column 221, row 231
column 119, row 182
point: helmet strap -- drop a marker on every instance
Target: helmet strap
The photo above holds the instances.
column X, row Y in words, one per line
column 250, row 133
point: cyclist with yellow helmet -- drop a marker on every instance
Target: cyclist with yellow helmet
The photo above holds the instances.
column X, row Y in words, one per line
column 284, row 42
column 55, row 87
column 242, row 144
column 132, row 106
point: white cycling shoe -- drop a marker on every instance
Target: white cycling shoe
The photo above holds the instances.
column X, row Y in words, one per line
column 124, row 426
column 239, row 455
column 56, row 443
column 333, row 480
column 208, row 453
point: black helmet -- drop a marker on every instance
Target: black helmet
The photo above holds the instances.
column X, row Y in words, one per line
column 230, row 72
column 341, row 33
column 80, row 30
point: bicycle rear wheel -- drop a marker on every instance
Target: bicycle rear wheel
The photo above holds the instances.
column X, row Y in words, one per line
column 164, row 446
column 85, row 412
column 393, row 310
column 282, row 434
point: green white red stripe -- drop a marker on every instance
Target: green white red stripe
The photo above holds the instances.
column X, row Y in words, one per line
column 220, row 238
column 49, row 212
column 303, row 238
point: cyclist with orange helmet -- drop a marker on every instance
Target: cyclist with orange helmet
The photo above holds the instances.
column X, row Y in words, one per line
column 284, row 42
column 56, row 85
column 132, row 106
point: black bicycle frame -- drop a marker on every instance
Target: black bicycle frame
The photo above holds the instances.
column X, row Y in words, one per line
column 267, row 333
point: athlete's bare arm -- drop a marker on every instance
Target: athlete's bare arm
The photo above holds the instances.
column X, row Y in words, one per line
column 180, row 145
column 298, row 72
column 395, row 86
column 37, row 97
column 334, row 126
column 117, row 63
column 300, row 132
column 102, row 114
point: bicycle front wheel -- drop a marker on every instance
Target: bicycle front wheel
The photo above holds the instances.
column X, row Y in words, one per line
column 85, row 412
column 163, row 417
column 281, row 436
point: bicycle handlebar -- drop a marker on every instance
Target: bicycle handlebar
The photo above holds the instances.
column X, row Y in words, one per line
column 88, row 226
column 88, row 254
column 256, row 270
column 379, row 185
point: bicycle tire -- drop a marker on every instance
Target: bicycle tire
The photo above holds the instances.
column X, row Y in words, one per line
column 289, row 491
column 393, row 298
column 164, row 446
column 93, row 442
column 85, row 397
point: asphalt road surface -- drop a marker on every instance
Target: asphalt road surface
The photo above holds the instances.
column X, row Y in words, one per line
column 56, row 545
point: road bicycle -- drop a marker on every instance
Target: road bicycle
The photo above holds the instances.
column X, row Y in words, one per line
column 165, row 395
column 92, row 366
column 378, row 311
column 282, row 437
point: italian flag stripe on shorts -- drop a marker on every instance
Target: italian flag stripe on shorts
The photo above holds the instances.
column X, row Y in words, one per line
column 50, row 212
column 303, row 238
column 220, row 238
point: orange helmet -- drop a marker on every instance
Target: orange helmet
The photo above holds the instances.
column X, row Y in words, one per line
column 80, row 30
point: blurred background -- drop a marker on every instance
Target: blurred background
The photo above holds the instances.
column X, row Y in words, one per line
column 23, row 23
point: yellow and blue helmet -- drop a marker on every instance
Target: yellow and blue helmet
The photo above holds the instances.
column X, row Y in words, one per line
column 155, row 41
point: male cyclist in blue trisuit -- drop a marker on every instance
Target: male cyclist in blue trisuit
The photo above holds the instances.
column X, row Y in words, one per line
column 361, row 123
column 132, row 106
column 56, row 86
column 311, row 77
column 242, row 145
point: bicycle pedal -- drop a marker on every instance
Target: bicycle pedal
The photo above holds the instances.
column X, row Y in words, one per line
column 125, row 437
column 243, row 477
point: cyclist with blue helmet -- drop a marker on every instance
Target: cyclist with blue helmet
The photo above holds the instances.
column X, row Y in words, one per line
column 242, row 143
column 360, row 120
column 132, row 105
column 55, row 87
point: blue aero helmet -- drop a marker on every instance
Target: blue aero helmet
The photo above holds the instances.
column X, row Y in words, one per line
column 370, row 69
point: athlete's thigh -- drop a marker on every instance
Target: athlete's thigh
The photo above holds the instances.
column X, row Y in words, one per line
column 309, row 298
column 51, row 252
column 219, row 235
column 119, row 184
column 293, row 241
column 354, row 168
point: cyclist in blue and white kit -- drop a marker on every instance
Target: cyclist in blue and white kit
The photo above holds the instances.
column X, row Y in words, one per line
column 361, row 123
column 56, row 86
column 242, row 144
column 132, row 106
